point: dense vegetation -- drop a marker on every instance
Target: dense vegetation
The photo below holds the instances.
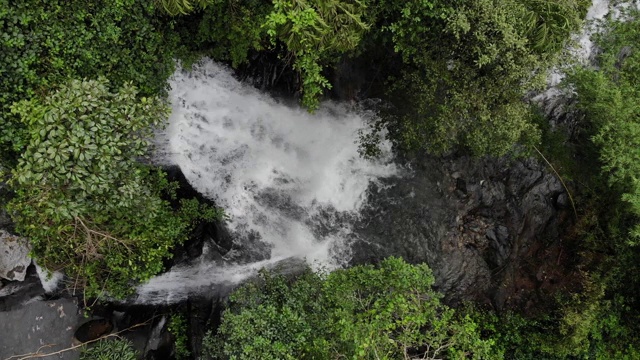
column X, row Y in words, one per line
column 46, row 43
column 82, row 197
column 608, row 97
column 467, row 66
column 83, row 85
column 365, row 312
column 459, row 70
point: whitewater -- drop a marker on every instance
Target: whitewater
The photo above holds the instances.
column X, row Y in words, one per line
column 291, row 178
column 294, row 181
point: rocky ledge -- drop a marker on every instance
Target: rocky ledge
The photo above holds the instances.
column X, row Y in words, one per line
column 489, row 228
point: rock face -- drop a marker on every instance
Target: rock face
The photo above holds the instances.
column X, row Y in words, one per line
column 40, row 326
column 14, row 256
column 93, row 329
column 471, row 220
column 5, row 219
column 17, row 293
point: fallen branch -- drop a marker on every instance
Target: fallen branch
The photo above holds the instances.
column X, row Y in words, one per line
column 573, row 205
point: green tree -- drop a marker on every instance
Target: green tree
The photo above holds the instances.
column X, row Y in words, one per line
column 610, row 102
column 45, row 42
column 81, row 196
column 603, row 316
column 316, row 33
column 365, row 312
column 467, row 66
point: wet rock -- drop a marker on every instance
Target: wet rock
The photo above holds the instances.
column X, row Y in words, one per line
column 14, row 256
column 213, row 234
column 461, row 186
column 40, row 326
column 202, row 312
column 159, row 343
column 17, row 293
column 144, row 326
column 513, row 207
column 562, row 201
column 624, row 53
column 5, row 219
column 349, row 78
column 93, row 329
column 469, row 219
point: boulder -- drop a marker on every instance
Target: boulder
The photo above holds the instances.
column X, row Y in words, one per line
column 41, row 327
column 473, row 221
column 93, row 329
column 14, row 256
column 16, row 294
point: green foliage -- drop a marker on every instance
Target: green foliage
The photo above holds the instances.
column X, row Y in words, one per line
column 514, row 335
column 46, row 42
column 385, row 312
column 548, row 24
column 83, row 199
column 467, row 66
column 610, row 101
column 601, row 321
column 228, row 29
column 109, row 349
column 178, row 328
column 315, row 32
column 181, row 7
column 584, row 325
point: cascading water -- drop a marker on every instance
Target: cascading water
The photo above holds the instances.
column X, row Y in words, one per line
column 293, row 179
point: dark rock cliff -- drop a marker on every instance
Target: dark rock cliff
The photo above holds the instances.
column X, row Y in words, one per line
column 473, row 221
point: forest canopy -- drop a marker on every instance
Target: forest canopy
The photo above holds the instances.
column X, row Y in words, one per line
column 365, row 312
column 458, row 71
column 83, row 86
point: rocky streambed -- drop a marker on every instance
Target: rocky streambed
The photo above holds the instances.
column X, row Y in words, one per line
column 490, row 229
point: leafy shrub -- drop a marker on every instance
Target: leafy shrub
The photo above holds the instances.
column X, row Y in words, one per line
column 467, row 66
column 610, row 101
column 109, row 349
column 362, row 312
column 178, row 328
column 315, row 34
column 82, row 197
column 46, row 42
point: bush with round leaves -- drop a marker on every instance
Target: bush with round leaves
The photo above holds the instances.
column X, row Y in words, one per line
column 81, row 195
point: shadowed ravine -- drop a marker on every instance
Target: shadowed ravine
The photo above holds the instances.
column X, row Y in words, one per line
column 291, row 182
column 295, row 187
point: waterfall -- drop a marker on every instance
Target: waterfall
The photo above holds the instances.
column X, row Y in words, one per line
column 291, row 182
column 293, row 179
